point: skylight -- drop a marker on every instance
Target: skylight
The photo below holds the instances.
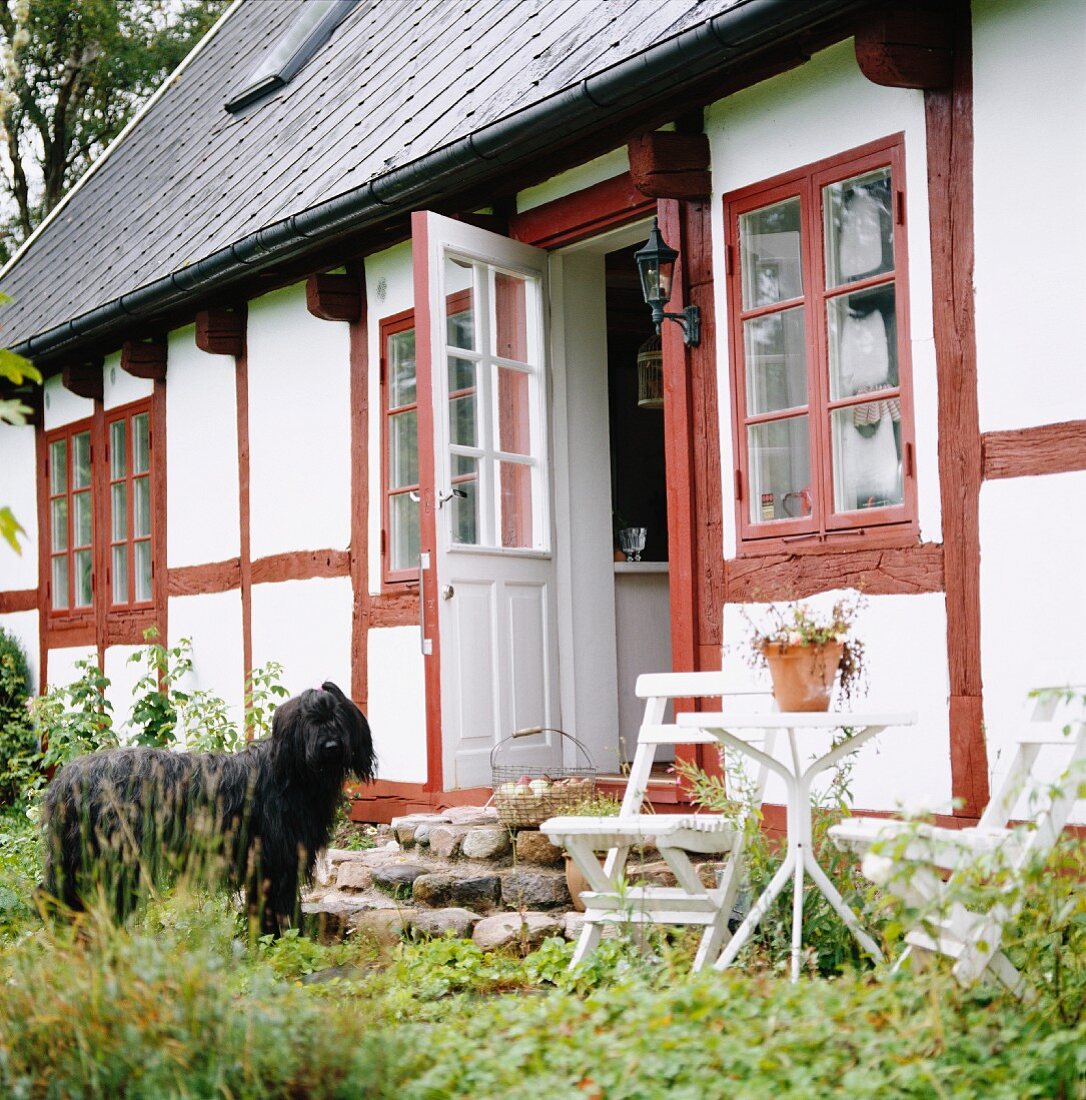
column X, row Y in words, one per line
column 301, row 40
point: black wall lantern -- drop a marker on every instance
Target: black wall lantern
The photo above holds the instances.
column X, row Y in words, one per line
column 656, row 266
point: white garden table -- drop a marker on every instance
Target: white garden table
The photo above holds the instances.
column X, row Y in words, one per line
column 799, row 856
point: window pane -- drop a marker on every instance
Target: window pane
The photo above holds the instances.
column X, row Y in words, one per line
column 867, row 456
column 516, row 503
column 780, row 471
column 118, row 512
column 401, row 369
column 770, row 254
column 81, row 519
column 461, row 374
column 465, row 509
column 514, row 434
column 120, row 574
column 403, row 532
column 141, row 444
column 776, row 354
column 462, row 420
column 81, row 460
column 59, row 590
column 118, row 463
column 81, row 562
column 141, row 507
column 58, row 467
column 859, row 227
column 511, row 317
column 403, row 449
column 459, row 304
column 60, row 523
column 862, row 331
column 143, row 571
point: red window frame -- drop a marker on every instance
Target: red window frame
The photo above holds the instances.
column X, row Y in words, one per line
column 392, row 326
column 127, row 414
column 887, row 524
column 68, row 433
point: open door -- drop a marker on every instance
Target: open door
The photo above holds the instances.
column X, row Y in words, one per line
column 487, row 567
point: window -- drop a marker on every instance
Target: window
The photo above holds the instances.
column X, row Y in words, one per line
column 71, row 520
column 817, row 299
column 130, row 504
column 400, row 448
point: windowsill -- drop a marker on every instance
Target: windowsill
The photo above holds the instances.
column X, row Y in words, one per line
column 641, row 566
column 892, row 536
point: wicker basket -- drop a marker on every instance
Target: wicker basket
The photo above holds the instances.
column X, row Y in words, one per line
column 568, row 786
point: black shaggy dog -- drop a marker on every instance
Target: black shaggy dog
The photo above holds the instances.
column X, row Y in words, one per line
column 119, row 820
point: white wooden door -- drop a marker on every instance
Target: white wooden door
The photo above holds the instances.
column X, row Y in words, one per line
column 486, row 300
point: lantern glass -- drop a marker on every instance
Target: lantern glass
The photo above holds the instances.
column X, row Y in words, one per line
column 656, row 266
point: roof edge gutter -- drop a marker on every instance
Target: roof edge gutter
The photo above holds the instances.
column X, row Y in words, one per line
column 744, row 29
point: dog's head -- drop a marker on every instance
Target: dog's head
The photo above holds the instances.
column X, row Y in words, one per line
column 322, row 732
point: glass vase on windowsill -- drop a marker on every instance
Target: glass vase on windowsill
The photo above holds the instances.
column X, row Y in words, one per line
column 806, row 652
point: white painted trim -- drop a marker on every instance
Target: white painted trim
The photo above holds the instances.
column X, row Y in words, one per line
column 155, row 96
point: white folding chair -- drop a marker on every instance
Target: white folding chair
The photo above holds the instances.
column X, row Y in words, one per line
column 926, row 866
column 610, row 900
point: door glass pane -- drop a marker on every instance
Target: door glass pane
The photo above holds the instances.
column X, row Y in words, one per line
column 81, row 561
column 120, row 574
column 461, row 374
column 780, row 470
column 118, row 509
column 867, row 456
column 401, row 368
column 58, row 467
column 81, row 460
column 770, row 254
column 465, row 509
column 403, row 449
column 81, row 519
column 462, row 420
column 776, row 355
column 511, row 317
column 117, row 458
column 858, row 214
column 403, row 537
column 514, row 434
column 143, row 571
column 60, row 523
column 141, row 444
column 862, row 329
column 515, row 479
column 141, row 510
column 59, row 590
column 459, row 304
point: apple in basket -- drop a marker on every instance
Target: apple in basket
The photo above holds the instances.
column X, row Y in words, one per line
column 539, row 787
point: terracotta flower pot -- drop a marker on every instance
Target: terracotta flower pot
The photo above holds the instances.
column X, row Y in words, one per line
column 803, row 675
column 575, row 883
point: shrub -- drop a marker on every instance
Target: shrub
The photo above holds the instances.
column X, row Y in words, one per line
column 18, row 742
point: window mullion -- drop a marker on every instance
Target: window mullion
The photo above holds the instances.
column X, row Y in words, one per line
column 817, row 379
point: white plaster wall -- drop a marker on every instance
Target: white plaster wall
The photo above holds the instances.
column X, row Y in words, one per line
column 62, row 406
column 213, row 624
column 23, row 625
column 585, row 175
column 396, row 708
column 1033, row 599
column 299, row 427
column 122, row 678
column 1029, row 117
column 19, row 492
column 202, row 509
column 119, row 387
column 61, row 669
column 905, row 642
column 306, row 627
column 389, row 290
column 822, row 109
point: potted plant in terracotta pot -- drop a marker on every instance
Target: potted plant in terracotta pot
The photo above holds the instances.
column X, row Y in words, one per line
column 807, row 651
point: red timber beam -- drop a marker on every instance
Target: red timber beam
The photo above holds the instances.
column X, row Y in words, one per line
column 1028, row 452
column 666, row 165
column 908, row 45
column 144, row 359
column 334, row 297
column 221, row 331
column 949, row 119
column 84, row 379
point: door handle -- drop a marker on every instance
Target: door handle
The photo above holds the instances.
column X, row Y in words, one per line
column 448, row 592
column 453, row 492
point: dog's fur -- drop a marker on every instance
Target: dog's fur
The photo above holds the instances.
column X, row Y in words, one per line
column 116, row 820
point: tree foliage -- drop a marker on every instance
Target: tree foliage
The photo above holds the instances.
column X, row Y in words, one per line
column 75, row 71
